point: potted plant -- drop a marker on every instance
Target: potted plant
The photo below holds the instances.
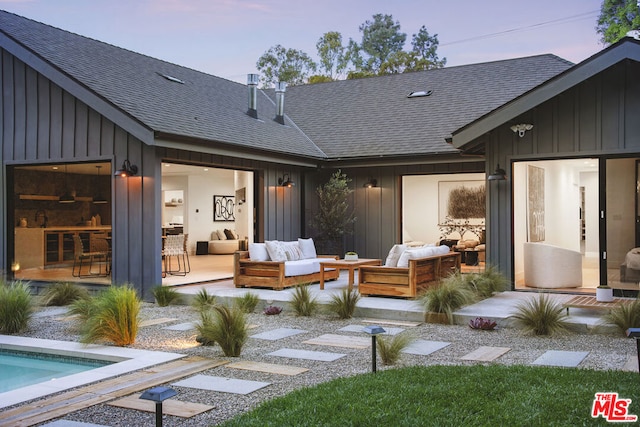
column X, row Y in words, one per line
column 351, row 256
column 604, row 293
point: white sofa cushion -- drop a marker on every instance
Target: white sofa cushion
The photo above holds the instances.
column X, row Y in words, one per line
column 221, row 235
column 423, row 252
column 276, row 250
column 214, row 236
column 303, row 266
column 394, row 255
column 308, row 248
column 258, row 252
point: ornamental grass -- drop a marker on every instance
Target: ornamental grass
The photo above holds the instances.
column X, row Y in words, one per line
column 16, row 306
column 344, row 303
column 302, row 302
column 541, row 316
column 225, row 326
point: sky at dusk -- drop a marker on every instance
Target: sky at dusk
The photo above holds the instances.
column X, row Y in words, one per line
column 226, row 37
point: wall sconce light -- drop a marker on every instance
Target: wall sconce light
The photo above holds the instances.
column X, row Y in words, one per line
column 498, row 175
column 127, row 169
column 285, row 181
column 373, row 331
column 521, row 128
column 371, row 183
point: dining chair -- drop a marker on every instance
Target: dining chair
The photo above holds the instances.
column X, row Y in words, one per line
column 175, row 247
column 82, row 258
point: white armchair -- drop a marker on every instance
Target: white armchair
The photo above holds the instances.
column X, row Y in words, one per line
column 547, row 266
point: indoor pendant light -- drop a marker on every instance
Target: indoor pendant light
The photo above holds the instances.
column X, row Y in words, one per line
column 66, row 197
column 99, row 199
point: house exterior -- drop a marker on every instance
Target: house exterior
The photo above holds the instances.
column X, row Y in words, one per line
column 588, row 112
column 70, row 100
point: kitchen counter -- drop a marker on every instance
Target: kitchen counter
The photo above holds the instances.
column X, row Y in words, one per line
column 68, row 228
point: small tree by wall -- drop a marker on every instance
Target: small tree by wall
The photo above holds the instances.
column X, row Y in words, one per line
column 335, row 217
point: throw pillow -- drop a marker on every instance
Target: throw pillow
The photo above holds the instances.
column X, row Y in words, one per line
column 308, row 248
column 258, row 252
column 214, row 235
column 421, row 253
column 228, row 234
column 394, row 255
column 221, row 235
column 235, row 235
column 276, row 250
column 292, row 251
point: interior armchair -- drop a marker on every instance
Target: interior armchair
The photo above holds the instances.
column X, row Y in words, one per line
column 547, row 266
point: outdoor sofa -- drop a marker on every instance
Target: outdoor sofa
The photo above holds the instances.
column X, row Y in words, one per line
column 278, row 265
column 408, row 271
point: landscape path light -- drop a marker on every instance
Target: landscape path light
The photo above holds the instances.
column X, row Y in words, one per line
column 158, row 395
column 635, row 333
column 373, row 331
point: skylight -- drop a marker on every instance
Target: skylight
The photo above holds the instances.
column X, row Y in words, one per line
column 420, row 93
column 171, row 78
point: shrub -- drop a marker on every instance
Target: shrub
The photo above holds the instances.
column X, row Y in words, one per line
column 165, row 295
column 484, row 284
column 272, row 310
column 447, row 297
column 63, row 293
column 624, row 316
column 16, row 306
column 484, row 324
column 203, row 300
column 247, row 302
column 302, row 302
column 541, row 316
column 390, row 348
column 344, row 303
column 225, row 326
column 110, row 316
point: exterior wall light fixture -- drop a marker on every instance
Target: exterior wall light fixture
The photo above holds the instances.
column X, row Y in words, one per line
column 127, row 169
column 285, row 181
column 521, row 128
column 372, row 182
column 498, row 175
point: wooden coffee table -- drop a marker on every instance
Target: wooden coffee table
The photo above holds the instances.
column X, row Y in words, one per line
column 340, row 264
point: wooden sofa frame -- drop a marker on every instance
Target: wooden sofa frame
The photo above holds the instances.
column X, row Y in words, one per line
column 407, row 282
column 270, row 274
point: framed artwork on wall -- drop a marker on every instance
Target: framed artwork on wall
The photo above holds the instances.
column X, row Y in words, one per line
column 224, row 208
column 535, row 204
column 472, row 210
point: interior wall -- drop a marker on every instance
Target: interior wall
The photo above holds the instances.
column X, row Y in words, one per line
column 621, row 188
column 420, row 205
column 562, row 182
column 244, row 217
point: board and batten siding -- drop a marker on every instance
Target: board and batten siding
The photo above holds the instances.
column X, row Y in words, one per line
column 597, row 117
column 41, row 123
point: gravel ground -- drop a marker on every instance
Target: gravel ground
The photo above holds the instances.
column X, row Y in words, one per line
column 605, row 352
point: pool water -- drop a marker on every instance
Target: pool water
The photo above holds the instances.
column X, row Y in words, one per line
column 19, row 369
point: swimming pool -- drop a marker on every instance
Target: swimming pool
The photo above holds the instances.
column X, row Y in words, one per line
column 119, row 360
column 20, row 368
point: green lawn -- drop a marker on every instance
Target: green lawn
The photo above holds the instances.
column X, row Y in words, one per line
column 450, row 396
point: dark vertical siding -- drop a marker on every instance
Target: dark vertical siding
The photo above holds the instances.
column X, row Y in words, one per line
column 596, row 117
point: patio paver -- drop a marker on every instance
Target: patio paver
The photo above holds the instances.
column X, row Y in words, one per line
column 347, row 341
column 70, row 423
column 221, row 384
column 151, row 322
column 320, row 356
column 485, row 353
column 360, row 328
column 424, row 347
column 173, row 407
column 270, row 368
column 276, row 334
column 187, row 326
column 569, row 359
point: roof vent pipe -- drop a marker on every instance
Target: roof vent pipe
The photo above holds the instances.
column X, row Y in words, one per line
column 252, row 82
column 280, row 89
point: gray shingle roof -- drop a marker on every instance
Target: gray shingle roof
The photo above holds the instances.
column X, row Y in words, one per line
column 346, row 119
column 373, row 117
column 204, row 107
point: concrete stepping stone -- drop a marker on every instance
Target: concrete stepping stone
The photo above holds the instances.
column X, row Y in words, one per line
column 151, row 322
column 485, row 353
column 69, row 423
column 269, row 368
column 187, row 326
column 347, row 341
column 569, row 359
column 320, row 356
column 631, row 364
column 424, row 347
column 221, row 384
column 277, row 334
column 169, row 407
column 383, row 322
column 360, row 328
